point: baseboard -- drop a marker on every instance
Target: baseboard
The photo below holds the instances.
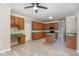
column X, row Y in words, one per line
column 5, row 50
column 77, row 51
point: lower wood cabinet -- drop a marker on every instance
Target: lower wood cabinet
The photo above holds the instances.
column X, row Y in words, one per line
column 21, row 39
column 37, row 36
column 49, row 39
column 71, row 42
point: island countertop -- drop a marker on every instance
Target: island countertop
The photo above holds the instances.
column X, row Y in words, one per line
column 48, row 33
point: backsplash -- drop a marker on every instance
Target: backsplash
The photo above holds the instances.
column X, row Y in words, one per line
column 16, row 30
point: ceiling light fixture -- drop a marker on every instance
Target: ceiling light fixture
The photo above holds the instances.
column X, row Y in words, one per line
column 50, row 17
column 35, row 7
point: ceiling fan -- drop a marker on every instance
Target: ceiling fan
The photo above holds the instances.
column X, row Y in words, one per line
column 35, row 6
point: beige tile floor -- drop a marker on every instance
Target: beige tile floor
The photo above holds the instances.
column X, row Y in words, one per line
column 38, row 48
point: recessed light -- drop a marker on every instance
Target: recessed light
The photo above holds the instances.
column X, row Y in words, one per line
column 50, row 17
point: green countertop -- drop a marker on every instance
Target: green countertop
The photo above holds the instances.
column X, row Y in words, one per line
column 71, row 34
column 16, row 34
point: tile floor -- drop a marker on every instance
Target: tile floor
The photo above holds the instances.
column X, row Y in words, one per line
column 38, row 48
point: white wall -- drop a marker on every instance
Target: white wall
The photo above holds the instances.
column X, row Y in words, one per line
column 71, row 24
column 4, row 29
column 78, row 32
column 28, row 28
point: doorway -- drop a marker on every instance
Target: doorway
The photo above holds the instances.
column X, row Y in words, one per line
column 62, row 33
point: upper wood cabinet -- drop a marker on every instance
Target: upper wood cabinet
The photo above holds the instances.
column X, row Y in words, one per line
column 55, row 25
column 37, row 26
column 12, row 21
column 41, row 26
column 17, row 22
column 34, row 25
column 46, row 26
column 21, row 23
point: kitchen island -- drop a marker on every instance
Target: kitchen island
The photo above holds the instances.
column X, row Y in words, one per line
column 50, row 37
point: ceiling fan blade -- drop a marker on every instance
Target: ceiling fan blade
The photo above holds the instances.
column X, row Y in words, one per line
column 28, row 7
column 42, row 7
column 37, row 3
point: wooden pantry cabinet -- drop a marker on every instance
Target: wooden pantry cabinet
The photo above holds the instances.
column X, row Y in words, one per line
column 17, row 22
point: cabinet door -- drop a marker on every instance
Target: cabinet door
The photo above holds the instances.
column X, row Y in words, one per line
column 37, row 26
column 56, row 26
column 21, row 23
column 51, row 24
column 12, row 21
column 37, row 35
column 41, row 26
column 49, row 39
column 46, row 26
column 16, row 21
column 34, row 25
column 71, row 42
column 21, row 39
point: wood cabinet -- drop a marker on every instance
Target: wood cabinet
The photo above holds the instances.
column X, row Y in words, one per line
column 17, row 22
column 37, row 35
column 55, row 25
column 40, row 26
column 21, row 23
column 12, row 21
column 49, row 38
column 46, row 26
column 37, row 26
column 71, row 42
column 34, row 25
column 21, row 39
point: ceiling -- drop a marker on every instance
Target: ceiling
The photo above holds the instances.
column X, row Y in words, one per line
column 56, row 10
